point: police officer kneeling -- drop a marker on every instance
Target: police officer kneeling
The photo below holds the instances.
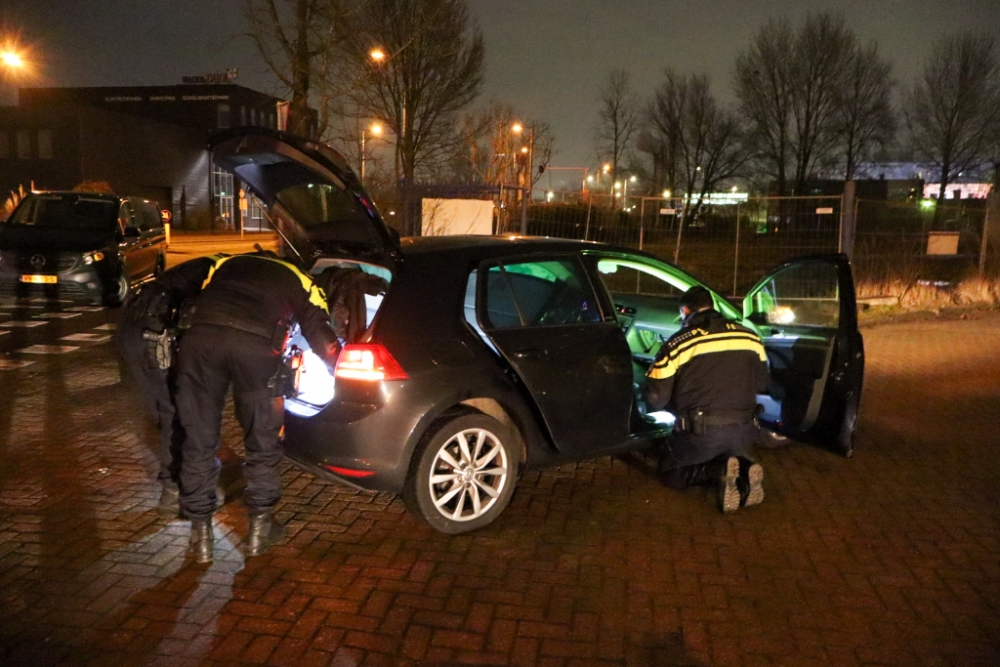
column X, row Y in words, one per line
column 238, row 328
column 708, row 375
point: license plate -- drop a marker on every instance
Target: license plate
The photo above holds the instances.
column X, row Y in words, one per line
column 39, row 280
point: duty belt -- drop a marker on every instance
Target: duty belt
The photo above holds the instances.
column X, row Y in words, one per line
column 221, row 319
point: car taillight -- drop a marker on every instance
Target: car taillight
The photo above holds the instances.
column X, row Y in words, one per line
column 368, row 362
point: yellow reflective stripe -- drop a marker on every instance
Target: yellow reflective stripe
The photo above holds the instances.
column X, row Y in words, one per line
column 721, row 342
column 316, row 295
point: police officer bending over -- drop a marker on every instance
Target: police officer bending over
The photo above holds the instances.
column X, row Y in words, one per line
column 708, row 375
column 239, row 326
column 145, row 339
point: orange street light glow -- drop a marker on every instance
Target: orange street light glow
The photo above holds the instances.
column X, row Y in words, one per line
column 11, row 59
column 378, row 55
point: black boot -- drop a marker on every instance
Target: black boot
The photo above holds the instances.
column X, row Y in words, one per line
column 264, row 531
column 750, row 483
column 728, row 478
column 202, row 540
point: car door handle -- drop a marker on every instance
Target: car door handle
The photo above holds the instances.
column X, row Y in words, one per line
column 531, row 354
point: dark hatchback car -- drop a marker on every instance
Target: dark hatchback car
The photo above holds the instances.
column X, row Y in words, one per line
column 489, row 356
column 81, row 246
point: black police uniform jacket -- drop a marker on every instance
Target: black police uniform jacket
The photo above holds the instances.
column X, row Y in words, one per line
column 266, row 296
column 712, row 364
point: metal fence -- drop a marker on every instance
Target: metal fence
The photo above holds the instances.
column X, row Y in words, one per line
column 730, row 243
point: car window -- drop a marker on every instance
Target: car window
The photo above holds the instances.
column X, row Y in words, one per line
column 146, row 215
column 69, row 211
column 328, row 212
column 804, row 294
column 539, row 293
column 125, row 217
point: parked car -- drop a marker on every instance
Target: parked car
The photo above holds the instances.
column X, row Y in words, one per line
column 80, row 245
column 490, row 356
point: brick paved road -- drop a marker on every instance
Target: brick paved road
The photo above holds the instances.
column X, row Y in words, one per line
column 889, row 558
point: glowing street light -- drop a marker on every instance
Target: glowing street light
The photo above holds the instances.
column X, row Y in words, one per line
column 12, row 59
column 529, row 153
column 375, row 130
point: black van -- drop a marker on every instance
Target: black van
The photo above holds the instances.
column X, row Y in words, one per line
column 80, row 245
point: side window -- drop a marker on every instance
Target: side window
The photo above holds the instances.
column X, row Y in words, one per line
column 646, row 299
column 543, row 293
column 806, row 294
column 124, row 217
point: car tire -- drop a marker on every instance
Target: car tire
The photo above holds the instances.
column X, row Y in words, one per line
column 463, row 474
column 119, row 291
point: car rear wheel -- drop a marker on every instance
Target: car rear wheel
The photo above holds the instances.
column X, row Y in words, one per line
column 464, row 474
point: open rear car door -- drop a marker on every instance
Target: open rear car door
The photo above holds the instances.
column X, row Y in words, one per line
column 806, row 312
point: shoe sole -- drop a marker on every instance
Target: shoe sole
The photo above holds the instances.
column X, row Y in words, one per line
column 755, row 496
column 729, row 492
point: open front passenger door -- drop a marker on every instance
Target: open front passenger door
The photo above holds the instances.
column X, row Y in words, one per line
column 806, row 312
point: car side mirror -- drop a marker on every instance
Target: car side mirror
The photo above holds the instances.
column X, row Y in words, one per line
column 132, row 232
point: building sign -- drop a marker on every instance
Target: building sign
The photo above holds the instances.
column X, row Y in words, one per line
column 223, row 77
column 828, row 210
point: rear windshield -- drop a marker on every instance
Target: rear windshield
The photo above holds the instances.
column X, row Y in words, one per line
column 329, row 213
column 66, row 212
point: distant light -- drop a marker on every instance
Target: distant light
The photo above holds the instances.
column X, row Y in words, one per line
column 666, row 194
column 11, row 59
column 549, row 195
column 927, row 203
column 376, row 129
column 735, row 189
column 378, row 55
column 517, row 128
column 524, row 149
column 606, row 168
column 634, row 179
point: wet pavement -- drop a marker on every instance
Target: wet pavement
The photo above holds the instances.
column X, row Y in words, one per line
column 889, row 558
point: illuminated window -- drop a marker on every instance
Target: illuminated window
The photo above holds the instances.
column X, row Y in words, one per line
column 45, row 144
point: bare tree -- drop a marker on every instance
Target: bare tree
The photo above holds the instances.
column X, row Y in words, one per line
column 707, row 139
column 867, row 121
column 618, row 118
column 493, row 149
column 792, row 86
column 296, row 40
column 432, row 69
column 953, row 110
column 764, row 87
column 824, row 47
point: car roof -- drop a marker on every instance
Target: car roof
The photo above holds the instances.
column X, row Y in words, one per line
column 499, row 245
column 76, row 193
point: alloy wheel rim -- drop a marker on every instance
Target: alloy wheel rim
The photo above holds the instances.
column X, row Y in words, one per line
column 468, row 474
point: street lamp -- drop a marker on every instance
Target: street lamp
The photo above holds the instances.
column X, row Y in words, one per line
column 375, row 130
column 518, row 128
column 12, row 60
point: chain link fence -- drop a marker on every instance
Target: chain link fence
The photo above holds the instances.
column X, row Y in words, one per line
column 732, row 239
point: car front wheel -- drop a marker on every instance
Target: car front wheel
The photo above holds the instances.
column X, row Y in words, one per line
column 118, row 292
column 464, row 474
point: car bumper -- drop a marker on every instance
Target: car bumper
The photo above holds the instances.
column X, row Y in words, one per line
column 80, row 285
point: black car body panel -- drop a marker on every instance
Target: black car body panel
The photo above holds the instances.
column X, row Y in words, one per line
column 82, row 246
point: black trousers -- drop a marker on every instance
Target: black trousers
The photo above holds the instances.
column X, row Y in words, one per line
column 157, row 388
column 687, row 451
column 210, row 359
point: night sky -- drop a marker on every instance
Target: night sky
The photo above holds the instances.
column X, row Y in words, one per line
column 547, row 58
